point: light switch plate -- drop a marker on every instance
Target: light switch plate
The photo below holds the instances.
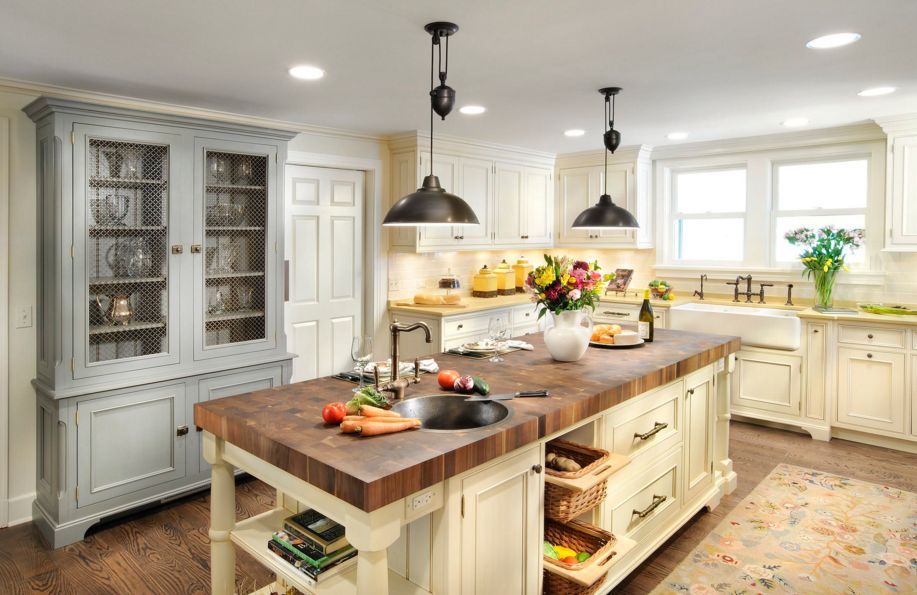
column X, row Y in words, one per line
column 24, row 317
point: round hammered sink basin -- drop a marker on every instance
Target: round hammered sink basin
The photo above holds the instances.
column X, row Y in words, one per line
column 452, row 413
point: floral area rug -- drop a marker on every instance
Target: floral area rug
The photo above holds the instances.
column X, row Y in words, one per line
column 804, row 531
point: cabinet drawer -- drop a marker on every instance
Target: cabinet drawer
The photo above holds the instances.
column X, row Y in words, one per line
column 641, row 426
column 616, row 312
column 469, row 326
column 655, row 496
column 877, row 337
column 525, row 315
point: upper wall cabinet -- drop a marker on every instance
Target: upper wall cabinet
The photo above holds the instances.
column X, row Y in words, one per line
column 158, row 246
column 509, row 190
column 901, row 183
column 581, row 180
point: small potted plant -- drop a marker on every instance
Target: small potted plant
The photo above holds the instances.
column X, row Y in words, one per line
column 566, row 288
column 823, row 255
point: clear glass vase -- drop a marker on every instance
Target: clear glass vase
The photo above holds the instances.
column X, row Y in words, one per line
column 824, row 289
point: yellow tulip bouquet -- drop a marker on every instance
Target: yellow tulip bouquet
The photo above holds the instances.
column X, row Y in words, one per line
column 823, row 255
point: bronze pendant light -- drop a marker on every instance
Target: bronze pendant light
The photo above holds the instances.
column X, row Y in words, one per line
column 606, row 214
column 431, row 204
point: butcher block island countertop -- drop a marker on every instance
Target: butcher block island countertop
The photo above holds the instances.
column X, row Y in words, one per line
column 282, row 427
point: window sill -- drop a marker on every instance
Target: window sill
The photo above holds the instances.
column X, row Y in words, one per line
column 783, row 275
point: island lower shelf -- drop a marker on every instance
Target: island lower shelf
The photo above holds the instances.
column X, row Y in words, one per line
column 253, row 534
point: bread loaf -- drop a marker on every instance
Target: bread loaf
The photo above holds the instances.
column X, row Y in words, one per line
column 428, row 299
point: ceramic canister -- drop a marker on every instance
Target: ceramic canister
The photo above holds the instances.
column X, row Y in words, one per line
column 522, row 268
column 506, row 279
column 484, row 284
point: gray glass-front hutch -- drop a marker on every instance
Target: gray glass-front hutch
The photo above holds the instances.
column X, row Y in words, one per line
column 159, row 261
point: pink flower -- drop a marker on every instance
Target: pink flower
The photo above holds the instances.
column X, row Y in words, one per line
column 579, row 274
column 581, row 265
column 575, row 294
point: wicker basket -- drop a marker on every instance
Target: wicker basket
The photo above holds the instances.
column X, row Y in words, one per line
column 564, row 504
column 567, row 579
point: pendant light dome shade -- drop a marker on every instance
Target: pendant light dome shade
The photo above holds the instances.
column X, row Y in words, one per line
column 605, row 214
column 430, row 205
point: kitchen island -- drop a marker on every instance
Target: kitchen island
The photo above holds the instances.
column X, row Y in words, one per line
column 461, row 510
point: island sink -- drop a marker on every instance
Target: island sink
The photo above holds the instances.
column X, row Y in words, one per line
column 452, row 413
column 758, row 327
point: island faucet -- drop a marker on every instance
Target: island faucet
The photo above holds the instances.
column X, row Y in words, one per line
column 397, row 385
column 700, row 294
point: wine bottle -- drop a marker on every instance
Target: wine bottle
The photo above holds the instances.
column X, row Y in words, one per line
column 646, row 323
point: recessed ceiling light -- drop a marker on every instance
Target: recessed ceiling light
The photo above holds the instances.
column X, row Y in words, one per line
column 677, row 135
column 472, row 110
column 876, row 91
column 795, row 122
column 574, row 132
column 835, row 40
column 306, row 72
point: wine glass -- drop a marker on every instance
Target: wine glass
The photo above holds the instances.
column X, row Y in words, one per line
column 496, row 330
column 361, row 351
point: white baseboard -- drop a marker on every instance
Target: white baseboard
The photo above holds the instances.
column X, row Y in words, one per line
column 20, row 509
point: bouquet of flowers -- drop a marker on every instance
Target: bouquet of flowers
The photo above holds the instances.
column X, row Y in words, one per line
column 563, row 284
column 823, row 255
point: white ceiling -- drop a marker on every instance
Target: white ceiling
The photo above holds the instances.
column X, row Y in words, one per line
column 714, row 68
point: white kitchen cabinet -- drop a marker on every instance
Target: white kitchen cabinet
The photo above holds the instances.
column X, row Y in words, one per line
column 871, row 390
column 501, row 526
column 581, row 181
column 914, row 392
column 768, row 381
column 816, row 366
column 508, row 189
column 700, row 399
column 617, row 313
column 901, row 182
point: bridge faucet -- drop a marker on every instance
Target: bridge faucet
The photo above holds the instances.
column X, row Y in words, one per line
column 761, row 293
column 735, row 284
column 397, row 385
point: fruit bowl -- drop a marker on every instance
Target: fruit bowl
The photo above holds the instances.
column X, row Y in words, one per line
column 660, row 293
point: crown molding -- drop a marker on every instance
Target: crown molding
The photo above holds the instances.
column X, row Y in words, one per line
column 853, row 133
column 133, row 103
column 463, row 146
column 597, row 156
column 899, row 123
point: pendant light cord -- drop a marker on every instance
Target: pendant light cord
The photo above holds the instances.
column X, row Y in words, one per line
column 605, row 177
column 432, row 52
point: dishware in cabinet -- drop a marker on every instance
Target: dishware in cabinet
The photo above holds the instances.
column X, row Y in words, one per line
column 126, row 281
column 233, row 249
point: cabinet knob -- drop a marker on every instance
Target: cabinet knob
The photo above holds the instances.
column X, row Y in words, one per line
column 181, row 430
column 869, row 355
column 814, row 330
column 196, row 248
column 177, row 249
column 537, row 468
column 461, row 326
column 869, row 336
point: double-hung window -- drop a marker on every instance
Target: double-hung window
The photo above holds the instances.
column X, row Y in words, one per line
column 709, row 207
column 816, row 194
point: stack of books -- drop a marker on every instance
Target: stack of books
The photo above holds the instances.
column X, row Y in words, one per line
column 314, row 545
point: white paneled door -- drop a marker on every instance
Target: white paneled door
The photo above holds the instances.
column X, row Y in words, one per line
column 324, row 251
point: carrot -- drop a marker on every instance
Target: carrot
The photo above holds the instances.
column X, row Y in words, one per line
column 361, row 418
column 350, row 426
column 375, row 428
column 370, row 411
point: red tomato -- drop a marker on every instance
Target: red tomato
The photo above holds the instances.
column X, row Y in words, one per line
column 334, row 413
column 571, row 560
column 447, row 378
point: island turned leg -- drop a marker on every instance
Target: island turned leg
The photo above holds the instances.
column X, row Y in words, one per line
column 371, row 534
column 222, row 519
column 725, row 382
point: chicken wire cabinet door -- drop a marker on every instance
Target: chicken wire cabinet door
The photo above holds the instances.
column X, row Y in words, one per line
column 234, row 248
column 125, row 273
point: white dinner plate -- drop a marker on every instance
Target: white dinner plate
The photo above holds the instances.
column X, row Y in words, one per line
column 616, row 346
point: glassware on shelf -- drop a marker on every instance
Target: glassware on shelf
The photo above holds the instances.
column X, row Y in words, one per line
column 129, row 257
column 244, row 298
column 244, row 171
column 225, row 214
column 223, row 257
column 496, row 330
column 361, row 352
column 217, row 166
column 115, row 160
column 110, row 210
column 133, row 162
column 216, row 305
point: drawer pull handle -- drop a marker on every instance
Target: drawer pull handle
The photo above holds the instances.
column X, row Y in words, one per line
column 869, row 355
column 616, row 313
column 657, row 502
column 815, row 330
column 657, row 427
column 181, row 430
column 869, row 336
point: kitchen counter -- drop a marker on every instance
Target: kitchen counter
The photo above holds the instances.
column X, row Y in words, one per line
column 283, row 425
column 469, row 305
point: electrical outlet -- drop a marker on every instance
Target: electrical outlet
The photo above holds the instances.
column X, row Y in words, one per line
column 421, row 500
column 24, row 317
column 394, row 285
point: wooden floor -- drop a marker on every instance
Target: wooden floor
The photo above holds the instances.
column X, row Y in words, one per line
column 165, row 550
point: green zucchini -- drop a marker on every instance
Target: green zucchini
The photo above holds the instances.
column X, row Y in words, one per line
column 481, row 386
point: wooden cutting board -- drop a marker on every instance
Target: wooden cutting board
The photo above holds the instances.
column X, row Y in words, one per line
column 413, row 305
